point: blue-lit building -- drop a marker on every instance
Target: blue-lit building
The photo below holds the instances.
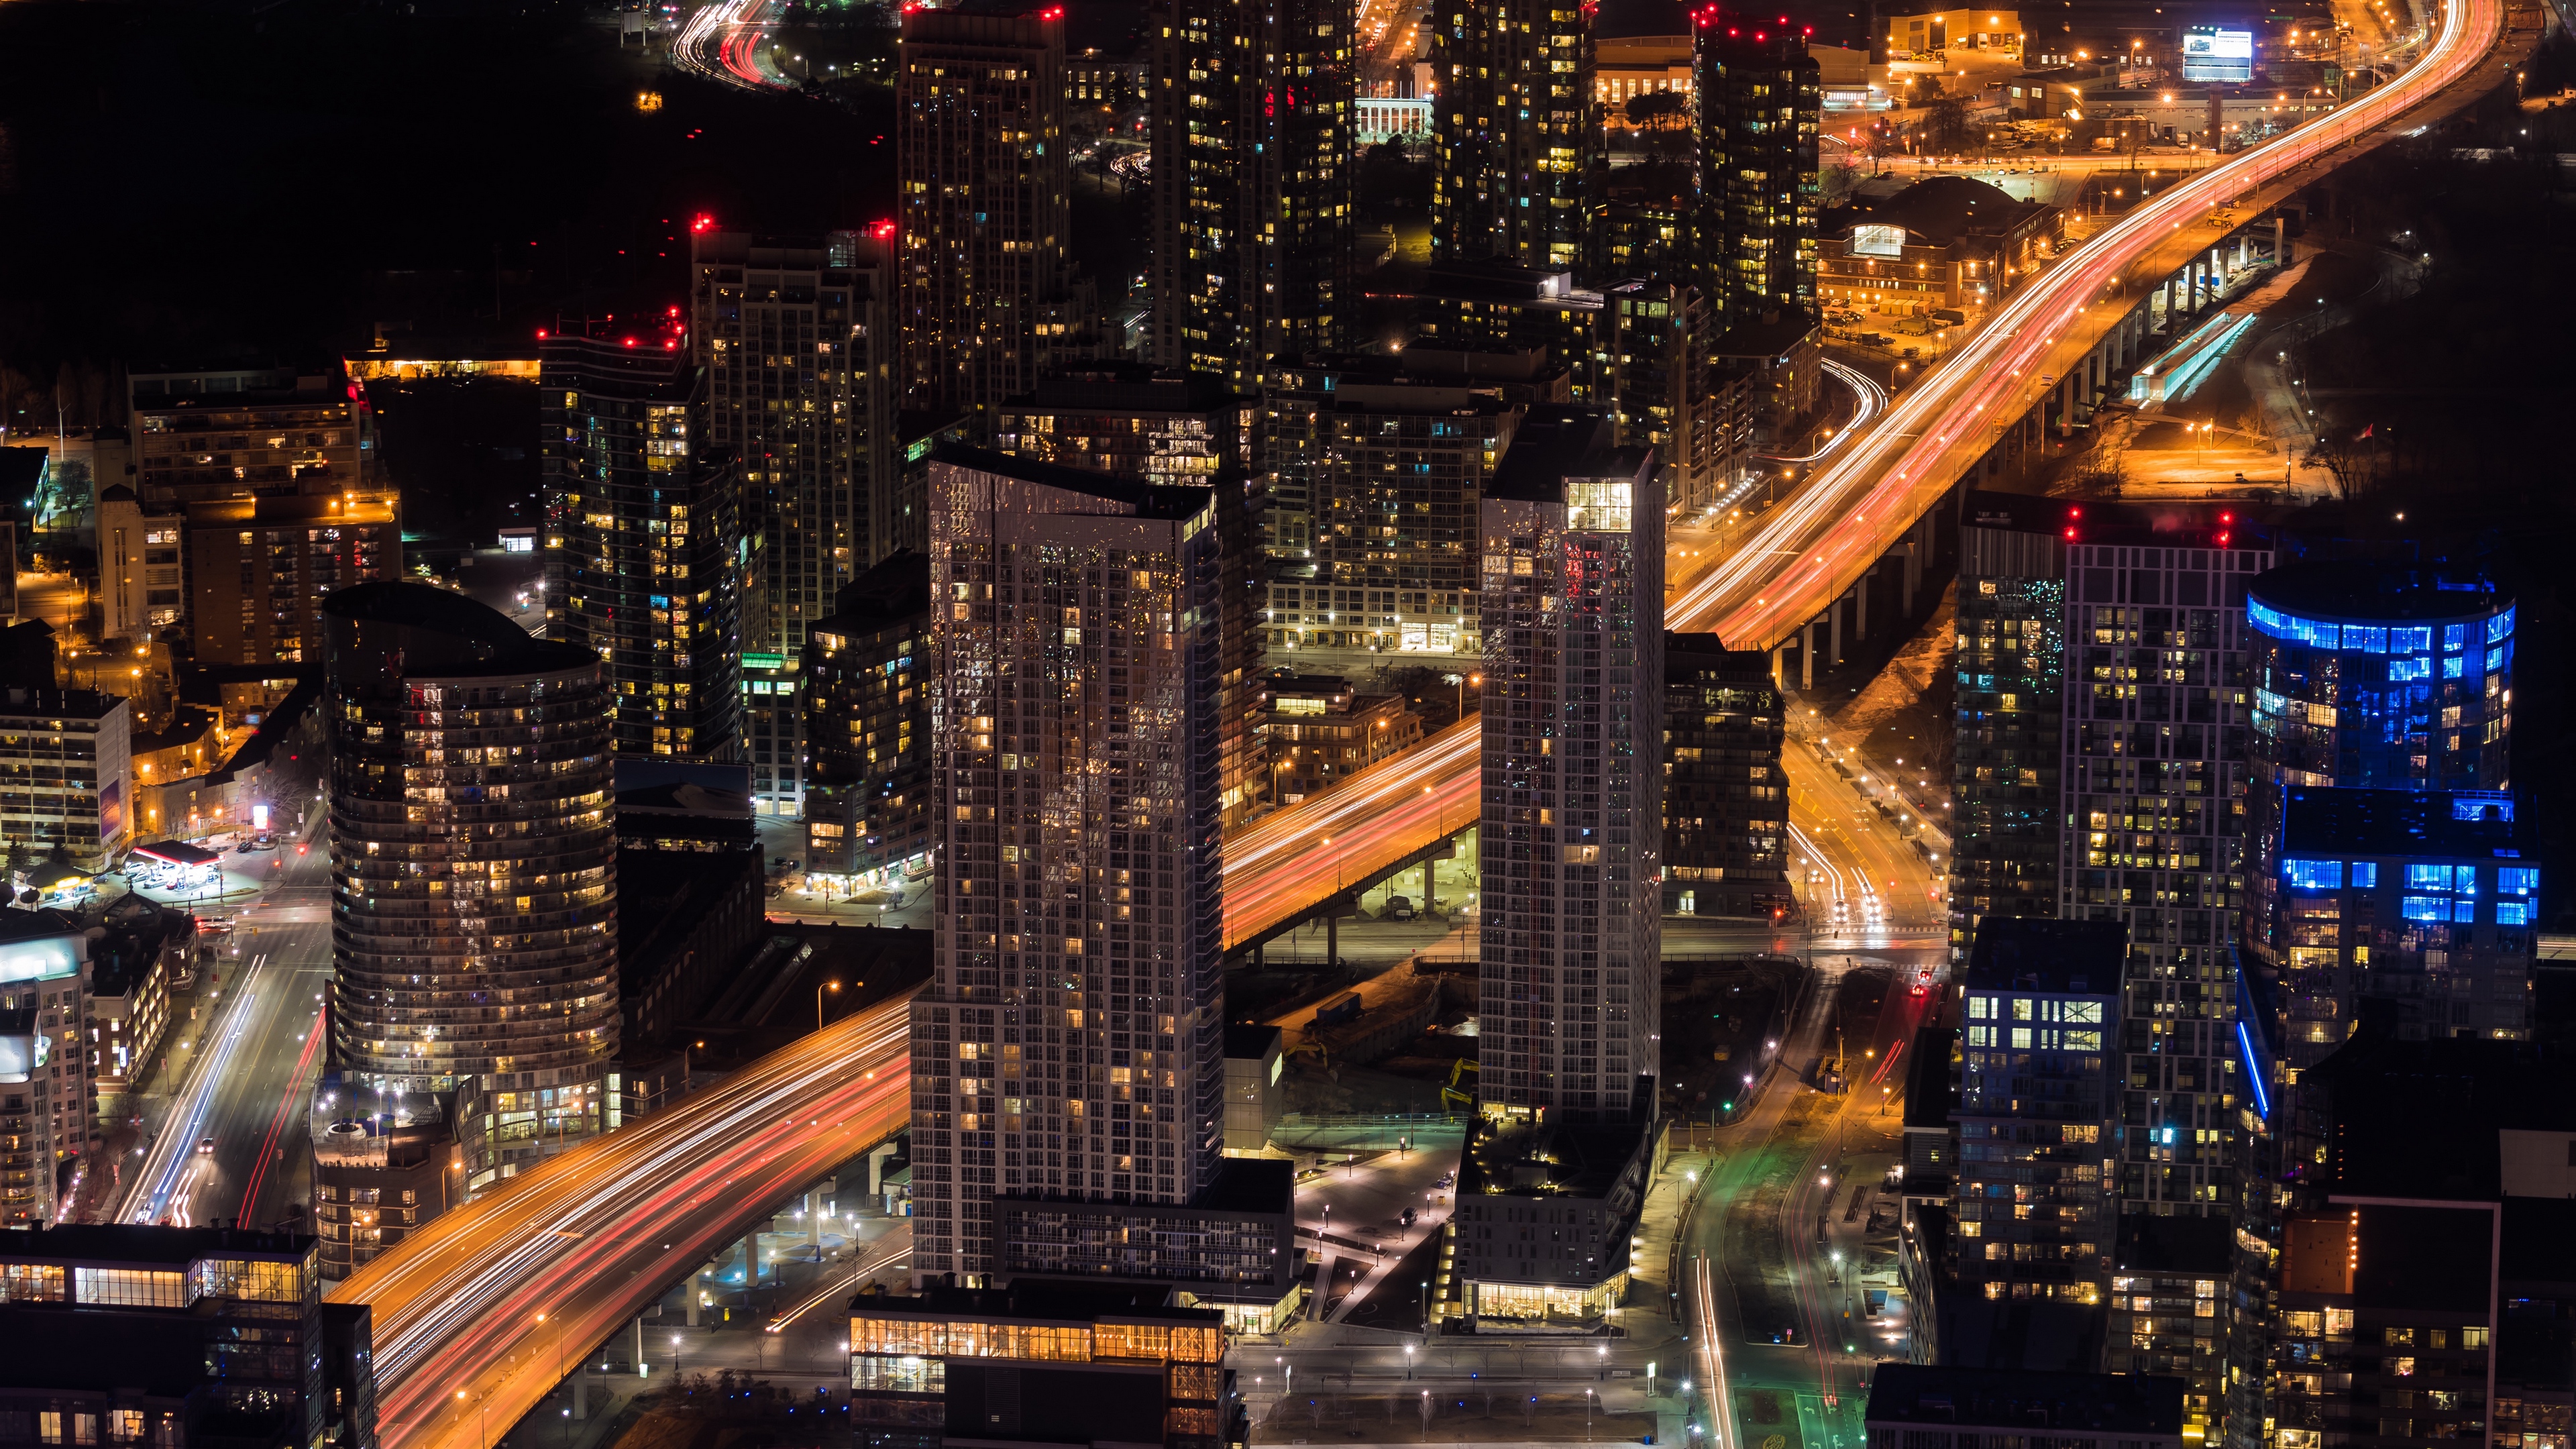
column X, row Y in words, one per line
column 2424, row 900
column 2374, row 676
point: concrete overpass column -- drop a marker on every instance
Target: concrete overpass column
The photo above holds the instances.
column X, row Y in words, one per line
column 813, row 1221
column 1860, row 603
column 635, row 1348
column 878, row 1154
column 692, row 1294
column 581, row 1392
column 1333, row 936
column 1807, row 658
column 1427, row 887
column 1834, row 612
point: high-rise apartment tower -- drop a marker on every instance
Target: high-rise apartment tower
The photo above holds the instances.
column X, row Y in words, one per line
column 1572, row 834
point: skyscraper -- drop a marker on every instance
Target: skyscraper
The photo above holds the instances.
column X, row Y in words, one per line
column 867, row 723
column 1761, row 106
column 799, row 346
column 2036, row 1109
column 985, row 186
column 643, row 540
column 1572, row 617
column 1726, row 802
column 1069, row 1050
column 1167, row 426
column 1514, row 138
column 473, row 867
column 1253, row 114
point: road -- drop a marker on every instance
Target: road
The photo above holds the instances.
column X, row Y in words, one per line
column 482, row 1312
column 728, row 41
column 1803, row 553
column 246, row 1084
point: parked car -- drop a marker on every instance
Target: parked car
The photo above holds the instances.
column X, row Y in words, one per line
column 1399, row 908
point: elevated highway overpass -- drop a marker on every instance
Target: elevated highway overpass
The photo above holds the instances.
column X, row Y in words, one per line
column 479, row 1314
column 2036, row 361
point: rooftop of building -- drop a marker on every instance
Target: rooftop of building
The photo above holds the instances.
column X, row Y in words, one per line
column 159, row 1354
column 1928, row 1084
column 2203, row 1247
column 48, row 704
column 1495, row 279
column 1694, row 658
column 2019, row 1399
column 1556, row 443
column 651, row 362
column 493, row 645
column 896, row 587
column 2056, row 958
column 2374, row 590
column 1770, row 335
column 1040, row 1300
column 1937, row 211
column 1130, row 388
column 2420, row 1118
column 2156, row 525
column 142, row 1243
column 2320, row 820
column 1150, row 500
column 1249, row 1041
column 1521, row 1157
column 1636, row 19
column 266, row 508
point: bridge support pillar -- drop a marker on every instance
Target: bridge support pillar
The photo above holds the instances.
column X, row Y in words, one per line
column 1807, row 658
column 581, row 1393
column 813, row 1221
column 1333, row 936
column 693, row 1295
column 1427, row 887
column 635, row 1348
column 1860, row 603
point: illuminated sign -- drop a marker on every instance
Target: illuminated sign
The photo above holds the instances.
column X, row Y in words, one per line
column 259, row 817
column 2212, row 54
column 1878, row 241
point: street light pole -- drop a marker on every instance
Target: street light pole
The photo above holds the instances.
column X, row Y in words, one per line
column 818, row 1001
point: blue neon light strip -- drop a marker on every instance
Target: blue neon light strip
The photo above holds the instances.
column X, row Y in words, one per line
column 2254, row 1073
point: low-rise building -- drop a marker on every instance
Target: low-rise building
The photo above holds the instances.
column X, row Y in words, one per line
column 1319, row 732
column 1946, row 243
column 1726, row 804
column 206, row 433
column 1039, row 1360
column 1545, row 1213
column 132, row 967
column 1922, row 1406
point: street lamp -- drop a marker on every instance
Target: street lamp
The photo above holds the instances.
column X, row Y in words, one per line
column 818, row 1001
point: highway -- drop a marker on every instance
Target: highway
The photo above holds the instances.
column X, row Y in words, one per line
column 1854, row 508
column 725, row 41
column 247, row 1083
column 480, row 1314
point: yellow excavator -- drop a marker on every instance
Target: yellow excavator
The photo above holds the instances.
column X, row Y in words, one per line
column 1451, row 1092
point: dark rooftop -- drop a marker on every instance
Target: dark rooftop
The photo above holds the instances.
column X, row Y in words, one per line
column 1245, row 1041
column 144, row 1243
column 2369, row 590
column 897, row 587
column 1637, row 19
column 1131, row 387
column 1150, row 500
column 492, row 644
column 2034, row 953
column 2201, row 1246
column 1765, row 338
column 2020, row 1399
column 1937, row 211
column 1690, row 658
column 2161, row 525
column 1553, row 444
column 2468, row 825
column 1494, row 279
column 1548, row 1159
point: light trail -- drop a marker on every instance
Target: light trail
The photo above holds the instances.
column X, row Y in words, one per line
column 1869, row 400
column 1850, row 511
column 472, row 1310
column 296, row 1091
column 174, row 1151
column 721, row 41
column 838, row 1288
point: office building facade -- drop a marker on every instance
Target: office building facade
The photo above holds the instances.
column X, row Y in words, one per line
column 473, row 863
column 1760, row 110
column 66, row 773
column 799, row 346
column 867, row 723
column 1175, row 428
column 2037, row 1109
column 1253, row 113
column 1726, row 803
column 1571, row 841
column 982, row 173
column 643, row 539
column 1513, row 139
column 1073, row 674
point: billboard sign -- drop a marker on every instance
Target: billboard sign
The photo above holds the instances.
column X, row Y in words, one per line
column 2210, row 53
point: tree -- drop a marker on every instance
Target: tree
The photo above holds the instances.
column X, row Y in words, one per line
column 1945, row 129
column 1653, row 110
